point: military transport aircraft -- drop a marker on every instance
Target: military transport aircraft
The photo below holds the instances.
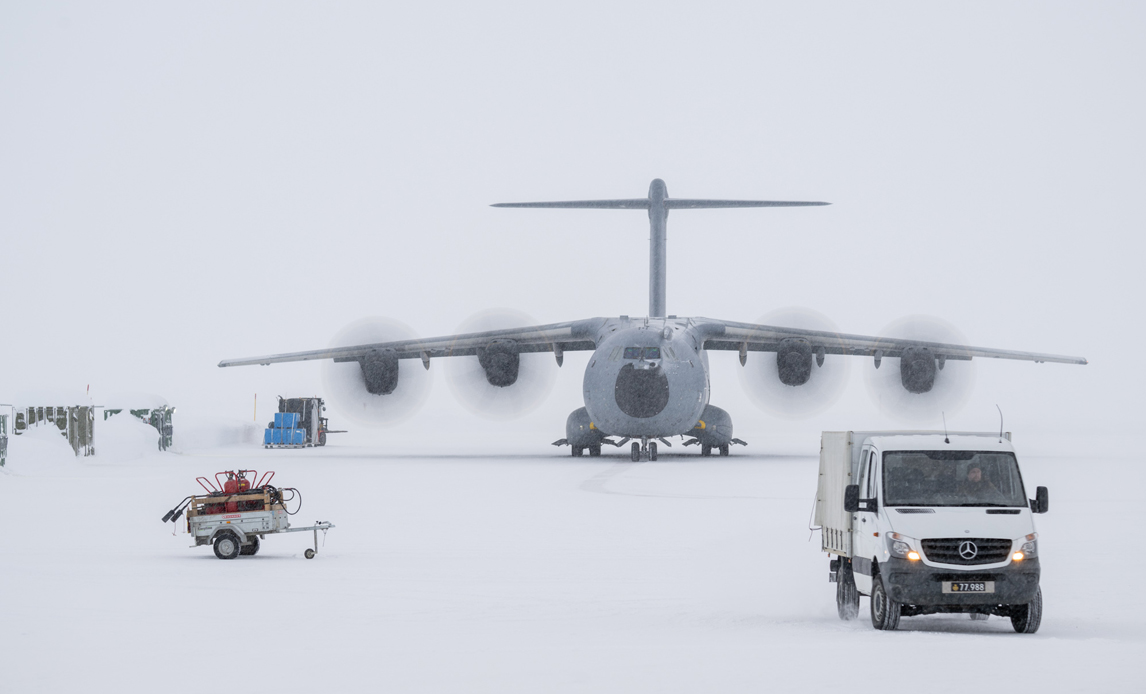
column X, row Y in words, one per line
column 648, row 376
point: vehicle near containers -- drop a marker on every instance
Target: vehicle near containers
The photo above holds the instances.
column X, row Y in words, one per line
column 298, row 424
column 925, row 522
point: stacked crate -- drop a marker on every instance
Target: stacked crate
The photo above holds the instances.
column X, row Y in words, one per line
column 285, row 432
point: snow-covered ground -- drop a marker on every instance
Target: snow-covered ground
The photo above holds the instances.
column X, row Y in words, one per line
column 520, row 573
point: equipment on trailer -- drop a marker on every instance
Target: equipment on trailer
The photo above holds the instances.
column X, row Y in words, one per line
column 235, row 514
column 298, row 424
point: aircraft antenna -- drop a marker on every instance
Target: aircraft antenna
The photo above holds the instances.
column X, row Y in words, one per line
column 658, row 204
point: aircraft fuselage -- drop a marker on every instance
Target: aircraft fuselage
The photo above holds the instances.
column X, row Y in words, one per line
column 648, row 377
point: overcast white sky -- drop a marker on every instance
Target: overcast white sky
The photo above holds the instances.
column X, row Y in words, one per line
column 185, row 182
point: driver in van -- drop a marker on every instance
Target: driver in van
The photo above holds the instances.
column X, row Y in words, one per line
column 975, row 487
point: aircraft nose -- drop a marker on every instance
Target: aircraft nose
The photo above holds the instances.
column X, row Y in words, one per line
column 642, row 393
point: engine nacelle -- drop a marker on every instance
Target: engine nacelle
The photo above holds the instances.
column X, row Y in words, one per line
column 501, row 362
column 794, row 361
column 917, row 369
column 380, row 371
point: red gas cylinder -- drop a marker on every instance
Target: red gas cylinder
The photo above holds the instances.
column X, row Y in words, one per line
column 231, row 486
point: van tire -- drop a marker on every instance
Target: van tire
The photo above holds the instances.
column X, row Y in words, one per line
column 1026, row 618
column 884, row 610
column 847, row 595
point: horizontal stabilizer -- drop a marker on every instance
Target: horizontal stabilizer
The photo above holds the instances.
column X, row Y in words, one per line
column 687, row 204
column 635, row 204
column 670, row 203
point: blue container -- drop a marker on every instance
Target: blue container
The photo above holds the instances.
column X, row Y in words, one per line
column 267, row 434
column 298, row 436
column 277, row 437
column 286, row 420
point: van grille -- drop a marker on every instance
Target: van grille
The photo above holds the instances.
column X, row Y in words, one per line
column 946, row 550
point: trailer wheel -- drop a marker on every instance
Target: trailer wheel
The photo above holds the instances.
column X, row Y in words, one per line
column 251, row 549
column 847, row 595
column 309, row 553
column 227, row 545
column 322, row 438
column 1026, row 618
column 884, row 610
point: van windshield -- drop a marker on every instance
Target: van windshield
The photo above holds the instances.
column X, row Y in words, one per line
column 951, row 478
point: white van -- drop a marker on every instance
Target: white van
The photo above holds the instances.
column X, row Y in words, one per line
column 925, row 522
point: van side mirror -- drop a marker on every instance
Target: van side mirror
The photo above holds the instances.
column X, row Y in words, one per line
column 852, row 498
column 1040, row 504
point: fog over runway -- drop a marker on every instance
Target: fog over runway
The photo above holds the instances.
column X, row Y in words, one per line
column 186, row 183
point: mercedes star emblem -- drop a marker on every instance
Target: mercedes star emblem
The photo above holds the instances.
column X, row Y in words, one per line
column 968, row 550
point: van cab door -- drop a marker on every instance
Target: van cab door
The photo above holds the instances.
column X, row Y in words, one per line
column 865, row 538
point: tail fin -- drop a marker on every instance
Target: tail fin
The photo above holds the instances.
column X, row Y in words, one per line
column 658, row 204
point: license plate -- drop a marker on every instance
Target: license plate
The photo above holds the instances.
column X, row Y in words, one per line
column 968, row 586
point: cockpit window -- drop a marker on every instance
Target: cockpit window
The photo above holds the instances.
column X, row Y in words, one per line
column 647, row 352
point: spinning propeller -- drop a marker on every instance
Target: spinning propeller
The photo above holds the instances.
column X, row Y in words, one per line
column 822, row 382
column 951, row 381
column 346, row 381
column 500, row 383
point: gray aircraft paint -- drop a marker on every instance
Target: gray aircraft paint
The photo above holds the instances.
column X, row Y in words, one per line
column 626, row 396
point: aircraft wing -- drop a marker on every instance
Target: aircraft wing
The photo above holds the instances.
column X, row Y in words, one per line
column 749, row 337
column 555, row 337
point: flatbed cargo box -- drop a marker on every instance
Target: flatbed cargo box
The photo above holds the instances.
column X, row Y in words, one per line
column 837, row 470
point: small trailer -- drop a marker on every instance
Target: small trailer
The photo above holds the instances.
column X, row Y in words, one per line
column 234, row 517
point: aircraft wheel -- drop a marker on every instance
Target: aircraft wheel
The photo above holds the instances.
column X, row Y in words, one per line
column 595, row 450
column 636, row 452
column 577, row 450
column 724, row 450
column 705, row 450
column 652, row 451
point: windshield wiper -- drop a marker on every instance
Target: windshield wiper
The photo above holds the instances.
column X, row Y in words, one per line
column 985, row 503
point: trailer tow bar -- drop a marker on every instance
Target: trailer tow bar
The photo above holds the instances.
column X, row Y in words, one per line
column 318, row 525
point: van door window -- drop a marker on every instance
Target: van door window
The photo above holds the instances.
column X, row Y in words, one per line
column 871, row 486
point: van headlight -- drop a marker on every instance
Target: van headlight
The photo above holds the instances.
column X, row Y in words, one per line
column 902, row 546
column 1028, row 545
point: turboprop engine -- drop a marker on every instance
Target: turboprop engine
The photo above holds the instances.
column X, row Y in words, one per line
column 917, row 369
column 500, row 361
column 380, row 371
column 794, row 361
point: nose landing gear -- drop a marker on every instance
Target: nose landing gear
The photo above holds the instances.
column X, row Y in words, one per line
column 644, row 448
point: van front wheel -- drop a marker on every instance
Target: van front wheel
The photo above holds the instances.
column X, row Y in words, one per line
column 1026, row 618
column 884, row 610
